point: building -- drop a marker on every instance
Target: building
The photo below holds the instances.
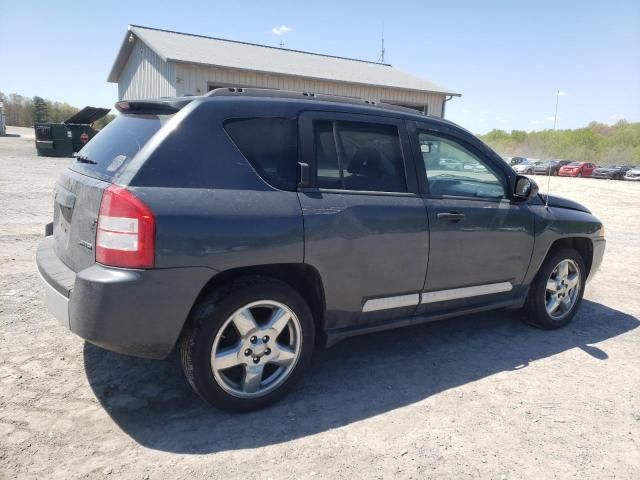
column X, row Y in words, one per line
column 161, row 63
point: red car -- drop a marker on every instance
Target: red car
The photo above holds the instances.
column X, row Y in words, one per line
column 577, row 169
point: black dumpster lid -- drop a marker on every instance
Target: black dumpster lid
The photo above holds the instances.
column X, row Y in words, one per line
column 87, row 115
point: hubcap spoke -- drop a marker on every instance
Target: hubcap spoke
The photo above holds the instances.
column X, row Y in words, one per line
column 552, row 286
column 563, row 269
column 244, row 322
column 227, row 358
column 552, row 304
column 252, row 378
column 279, row 320
column 286, row 356
column 572, row 280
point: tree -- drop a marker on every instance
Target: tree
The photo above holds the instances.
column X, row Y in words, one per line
column 40, row 108
column 598, row 143
column 103, row 122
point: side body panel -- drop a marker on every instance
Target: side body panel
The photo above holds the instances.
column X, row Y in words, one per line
column 369, row 247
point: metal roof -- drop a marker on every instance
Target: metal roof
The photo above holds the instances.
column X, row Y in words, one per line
column 209, row 51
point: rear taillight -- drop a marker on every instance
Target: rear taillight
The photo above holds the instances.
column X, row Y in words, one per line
column 126, row 231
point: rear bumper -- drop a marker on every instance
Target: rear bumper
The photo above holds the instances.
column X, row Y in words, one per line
column 135, row 312
column 632, row 179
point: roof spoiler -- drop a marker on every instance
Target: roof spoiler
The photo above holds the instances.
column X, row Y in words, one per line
column 159, row 106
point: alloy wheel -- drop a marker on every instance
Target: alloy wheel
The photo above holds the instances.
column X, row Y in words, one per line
column 562, row 289
column 256, row 349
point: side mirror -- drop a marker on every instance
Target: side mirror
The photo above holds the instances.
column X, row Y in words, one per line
column 525, row 189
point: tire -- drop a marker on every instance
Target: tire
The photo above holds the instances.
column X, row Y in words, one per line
column 579, row 174
column 535, row 308
column 212, row 325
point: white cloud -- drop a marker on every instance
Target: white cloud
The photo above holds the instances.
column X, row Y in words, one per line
column 466, row 110
column 562, row 94
column 281, row 30
column 616, row 117
column 535, row 122
column 552, row 118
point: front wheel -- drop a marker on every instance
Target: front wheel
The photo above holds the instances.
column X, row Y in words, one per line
column 556, row 293
column 246, row 346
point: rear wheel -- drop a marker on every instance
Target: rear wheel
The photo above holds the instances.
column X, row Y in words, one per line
column 246, row 346
column 556, row 293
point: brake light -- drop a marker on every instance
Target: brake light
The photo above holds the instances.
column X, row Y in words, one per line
column 126, row 230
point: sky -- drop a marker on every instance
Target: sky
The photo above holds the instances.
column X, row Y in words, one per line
column 508, row 59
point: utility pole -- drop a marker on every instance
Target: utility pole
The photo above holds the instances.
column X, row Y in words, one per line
column 555, row 117
column 381, row 56
column 555, row 123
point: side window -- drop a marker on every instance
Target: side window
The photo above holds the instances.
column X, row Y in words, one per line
column 271, row 145
column 454, row 171
column 358, row 156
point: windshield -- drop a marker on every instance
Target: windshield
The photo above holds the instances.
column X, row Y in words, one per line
column 116, row 144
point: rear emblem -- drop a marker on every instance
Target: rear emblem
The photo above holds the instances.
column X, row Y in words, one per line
column 86, row 244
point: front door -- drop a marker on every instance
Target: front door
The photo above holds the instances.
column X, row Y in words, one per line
column 365, row 222
column 480, row 241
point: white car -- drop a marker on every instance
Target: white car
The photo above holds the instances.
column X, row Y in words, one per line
column 524, row 167
column 633, row 174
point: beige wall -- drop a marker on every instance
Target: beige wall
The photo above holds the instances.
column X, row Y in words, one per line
column 146, row 75
column 194, row 79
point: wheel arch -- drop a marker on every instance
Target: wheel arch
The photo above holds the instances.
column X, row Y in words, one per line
column 303, row 278
column 583, row 245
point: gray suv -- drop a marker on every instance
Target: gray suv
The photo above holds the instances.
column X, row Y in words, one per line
column 247, row 227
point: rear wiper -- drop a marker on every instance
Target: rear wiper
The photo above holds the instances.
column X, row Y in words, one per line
column 84, row 159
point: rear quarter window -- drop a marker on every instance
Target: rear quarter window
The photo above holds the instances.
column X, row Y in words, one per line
column 270, row 145
column 108, row 153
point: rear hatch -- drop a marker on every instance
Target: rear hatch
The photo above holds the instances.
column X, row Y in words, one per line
column 78, row 191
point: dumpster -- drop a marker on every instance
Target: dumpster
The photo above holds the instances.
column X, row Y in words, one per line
column 66, row 138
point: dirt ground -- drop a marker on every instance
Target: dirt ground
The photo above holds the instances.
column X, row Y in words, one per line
column 483, row 396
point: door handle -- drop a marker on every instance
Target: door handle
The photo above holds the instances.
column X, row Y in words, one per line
column 450, row 216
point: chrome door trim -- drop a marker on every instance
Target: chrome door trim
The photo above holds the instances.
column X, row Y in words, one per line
column 466, row 292
column 375, row 304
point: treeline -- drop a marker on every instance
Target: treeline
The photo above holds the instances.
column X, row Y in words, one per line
column 25, row 111
column 598, row 143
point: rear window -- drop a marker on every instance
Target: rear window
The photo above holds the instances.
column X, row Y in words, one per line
column 270, row 145
column 115, row 145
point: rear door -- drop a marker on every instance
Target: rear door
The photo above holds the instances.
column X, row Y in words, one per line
column 78, row 191
column 365, row 224
column 480, row 242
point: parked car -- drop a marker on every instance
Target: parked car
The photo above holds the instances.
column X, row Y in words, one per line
column 633, row 174
column 517, row 160
column 290, row 221
column 525, row 167
column 614, row 172
column 550, row 167
column 451, row 163
column 577, row 169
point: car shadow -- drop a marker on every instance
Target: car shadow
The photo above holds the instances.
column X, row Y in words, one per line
column 359, row 378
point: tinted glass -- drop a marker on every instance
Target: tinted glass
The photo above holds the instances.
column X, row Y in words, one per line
column 115, row 145
column 271, row 145
column 367, row 157
column 452, row 170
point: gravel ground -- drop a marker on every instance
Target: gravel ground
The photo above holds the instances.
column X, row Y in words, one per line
column 483, row 396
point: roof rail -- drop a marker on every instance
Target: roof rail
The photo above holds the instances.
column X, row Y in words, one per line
column 274, row 93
